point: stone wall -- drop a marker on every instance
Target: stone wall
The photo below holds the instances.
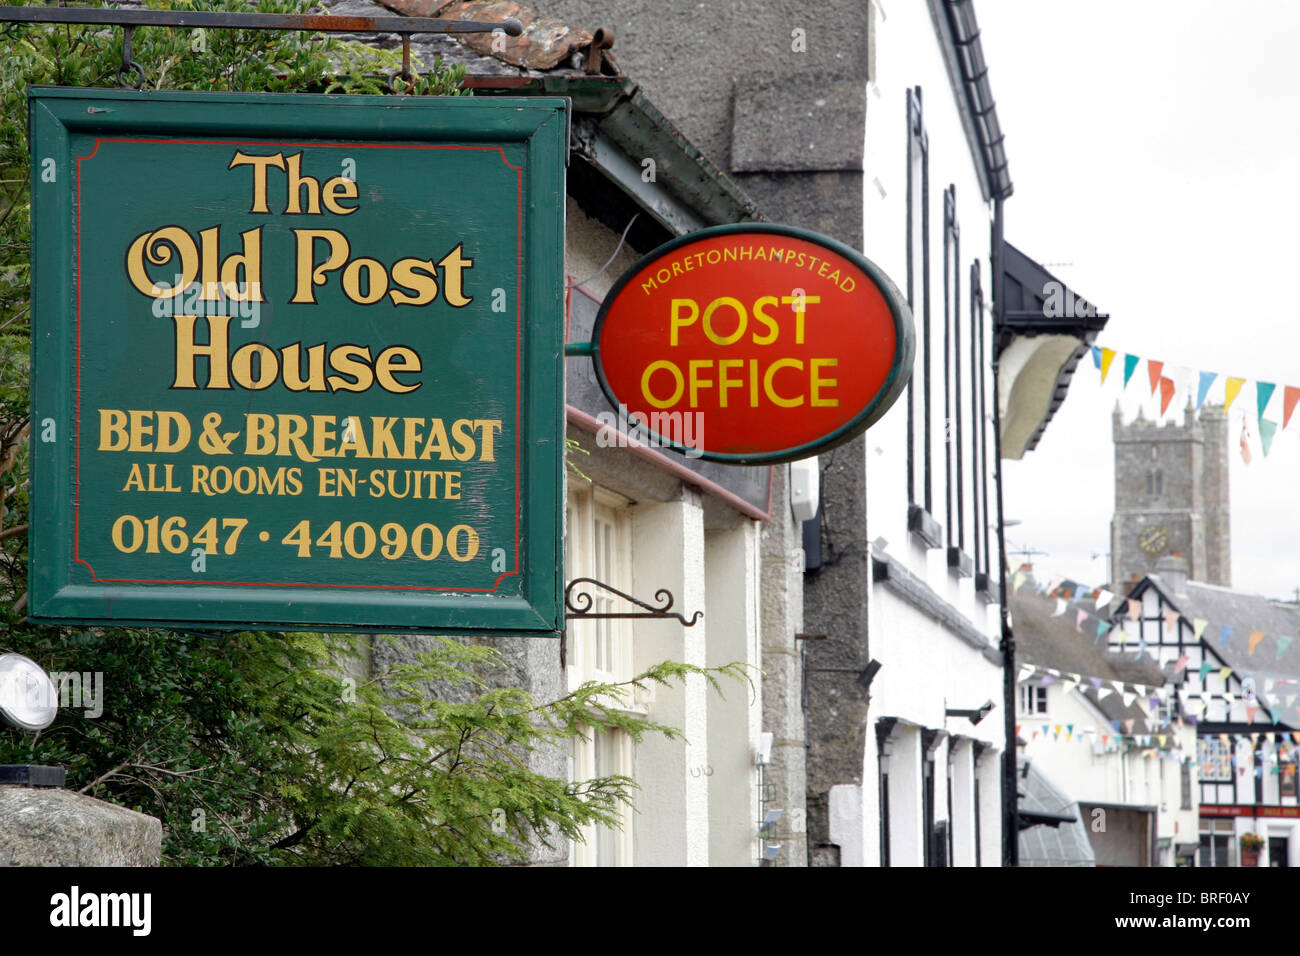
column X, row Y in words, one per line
column 56, row 827
column 1171, row 493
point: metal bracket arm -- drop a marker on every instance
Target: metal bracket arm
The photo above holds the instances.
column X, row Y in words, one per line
column 578, row 606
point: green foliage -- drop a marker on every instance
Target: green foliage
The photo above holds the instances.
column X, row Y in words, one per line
column 252, row 748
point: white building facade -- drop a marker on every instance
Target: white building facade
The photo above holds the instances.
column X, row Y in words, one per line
column 930, row 790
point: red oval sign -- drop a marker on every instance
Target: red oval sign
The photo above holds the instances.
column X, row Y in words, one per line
column 753, row 343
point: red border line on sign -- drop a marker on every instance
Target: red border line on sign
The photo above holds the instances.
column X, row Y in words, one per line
column 519, row 233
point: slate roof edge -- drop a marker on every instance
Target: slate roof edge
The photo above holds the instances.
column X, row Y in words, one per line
column 963, row 55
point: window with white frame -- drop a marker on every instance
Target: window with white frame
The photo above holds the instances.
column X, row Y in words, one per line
column 598, row 545
column 1213, row 758
column 1033, row 699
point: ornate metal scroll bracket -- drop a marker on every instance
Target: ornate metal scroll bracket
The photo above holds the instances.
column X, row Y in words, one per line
column 578, row 606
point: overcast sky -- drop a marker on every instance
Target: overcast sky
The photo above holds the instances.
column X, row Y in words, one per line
column 1155, row 147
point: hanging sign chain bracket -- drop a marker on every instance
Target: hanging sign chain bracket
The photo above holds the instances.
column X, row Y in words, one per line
column 579, row 605
column 128, row 20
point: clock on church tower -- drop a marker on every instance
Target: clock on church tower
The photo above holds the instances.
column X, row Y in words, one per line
column 1154, row 540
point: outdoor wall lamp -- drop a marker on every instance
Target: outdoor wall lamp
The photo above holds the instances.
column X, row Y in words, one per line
column 28, row 699
column 975, row 715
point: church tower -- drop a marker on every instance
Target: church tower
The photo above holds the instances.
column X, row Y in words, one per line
column 1171, row 496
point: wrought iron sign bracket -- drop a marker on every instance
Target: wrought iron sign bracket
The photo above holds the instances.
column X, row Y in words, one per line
column 578, row 607
column 131, row 75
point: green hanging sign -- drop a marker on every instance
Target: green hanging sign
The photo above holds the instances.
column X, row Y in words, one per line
column 297, row 361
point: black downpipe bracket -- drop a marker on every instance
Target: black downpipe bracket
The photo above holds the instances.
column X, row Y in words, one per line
column 1010, row 800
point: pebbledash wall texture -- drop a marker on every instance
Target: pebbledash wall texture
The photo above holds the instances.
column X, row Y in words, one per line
column 1171, row 496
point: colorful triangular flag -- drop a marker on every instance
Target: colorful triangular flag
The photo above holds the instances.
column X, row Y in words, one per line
column 1290, row 395
column 1207, row 379
column 1225, row 632
column 1107, row 356
column 1230, row 389
column 1198, row 628
column 1266, row 431
column 1130, row 363
column 1263, row 392
column 1154, row 369
column 1255, row 638
column 1282, row 644
column 1167, row 390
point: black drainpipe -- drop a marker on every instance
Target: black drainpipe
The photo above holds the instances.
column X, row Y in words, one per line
column 1010, row 808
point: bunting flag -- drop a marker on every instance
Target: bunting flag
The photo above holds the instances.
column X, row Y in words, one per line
column 1266, row 431
column 1130, row 363
column 1245, row 442
column 1225, row 632
column 1104, row 692
column 1198, row 628
column 1026, row 672
column 1207, row 379
column 1104, row 598
column 1134, row 609
column 1171, row 620
column 1107, row 356
column 1017, row 581
column 1079, row 619
column 1096, row 357
column 1205, row 669
column 1128, row 724
column 1167, row 391
column 1255, row 638
column 1102, row 628
column 1290, row 395
column 1250, row 713
column 1181, row 664
column 1225, row 673
column 1263, row 392
column 1282, row 644
column 1060, row 608
column 1154, row 369
column 1230, row 389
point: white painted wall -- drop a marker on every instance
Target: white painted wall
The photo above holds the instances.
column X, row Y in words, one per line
column 671, row 827
column 926, row 667
column 731, row 562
